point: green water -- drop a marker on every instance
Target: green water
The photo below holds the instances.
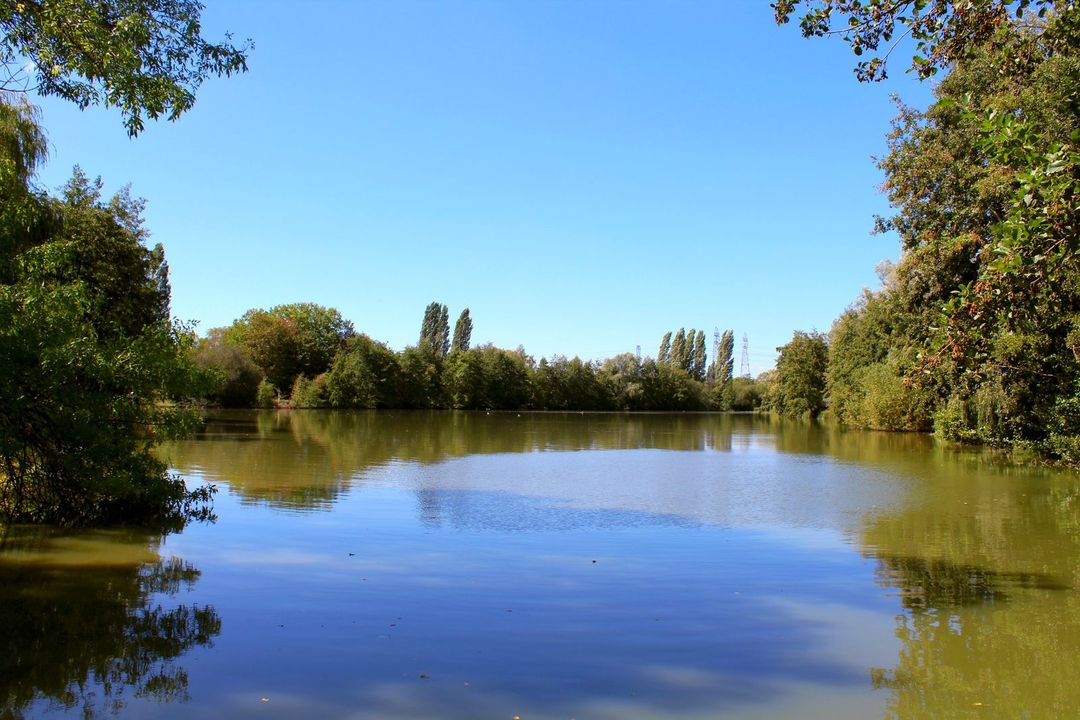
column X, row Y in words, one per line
column 415, row 565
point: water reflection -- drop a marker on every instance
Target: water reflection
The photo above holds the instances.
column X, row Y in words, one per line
column 986, row 567
column 307, row 459
column 746, row 567
column 86, row 624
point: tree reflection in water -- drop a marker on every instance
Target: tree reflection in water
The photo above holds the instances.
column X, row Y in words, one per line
column 986, row 573
column 86, row 622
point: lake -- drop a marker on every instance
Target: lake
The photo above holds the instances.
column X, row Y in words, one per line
column 544, row 565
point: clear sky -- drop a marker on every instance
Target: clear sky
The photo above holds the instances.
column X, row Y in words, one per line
column 583, row 175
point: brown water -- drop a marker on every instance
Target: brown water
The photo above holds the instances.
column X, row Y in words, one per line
column 416, row 565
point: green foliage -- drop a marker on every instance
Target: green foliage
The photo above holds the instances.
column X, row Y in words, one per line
column 561, row 384
column 365, row 374
column 747, row 394
column 462, row 331
column 487, row 378
column 290, row 340
column 265, row 394
column 663, row 355
column 89, row 355
column 237, row 377
column 974, row 331
column 310, row 393
column 420, row 373
column 680, row 353
column 435, row 329
column 944, row 31
column 697, row 360
column 147, row 58
column 799, row 388
column 721, row 371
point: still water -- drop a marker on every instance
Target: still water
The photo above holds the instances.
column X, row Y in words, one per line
column 453, row 565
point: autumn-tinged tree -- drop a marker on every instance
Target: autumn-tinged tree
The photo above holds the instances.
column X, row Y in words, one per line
column 944, row 31
column 291, row 340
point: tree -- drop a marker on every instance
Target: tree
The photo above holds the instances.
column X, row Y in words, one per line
column 664, row 354
column 698, row 359
column 462, row 331
column 365, row 374
column 89, row 354
column 723, row 371
column 147, row 58
column 944, row 31
column 726, row 358
column 435, row 330
column 679, row 351
column 237, row 375
column 799, row 388
column 291, row 340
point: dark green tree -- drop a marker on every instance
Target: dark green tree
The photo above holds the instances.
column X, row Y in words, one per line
column 462, row 331
column 365, row 374
column 663, row 356
column 88, row 355
column 435, row 329
column 237, row 377
column 679, row 350
column 724, row 364
column 699, row 358
column 799, row 388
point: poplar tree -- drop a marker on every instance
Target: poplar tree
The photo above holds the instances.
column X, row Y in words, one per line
column 725, row 358
column 462, row 331
column 699, row 356
column 442, row 332
column 427, row 327
column 725, row 369
column 663, row 356
column 678, row 349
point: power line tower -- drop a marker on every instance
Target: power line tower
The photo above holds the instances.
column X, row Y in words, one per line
column 744, row 363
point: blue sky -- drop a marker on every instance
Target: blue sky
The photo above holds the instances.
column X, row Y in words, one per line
column 584, row 176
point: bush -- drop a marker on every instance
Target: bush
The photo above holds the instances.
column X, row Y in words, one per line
column 238, row 377
column 309, row 393
column 265, row 394
column 365, row 374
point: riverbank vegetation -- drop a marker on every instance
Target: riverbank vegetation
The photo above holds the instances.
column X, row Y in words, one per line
column 91, row 358
column 975, row 332
column 307, row 356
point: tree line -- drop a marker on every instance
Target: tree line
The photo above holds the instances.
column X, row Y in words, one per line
column 305, row 355
column 975, row 332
